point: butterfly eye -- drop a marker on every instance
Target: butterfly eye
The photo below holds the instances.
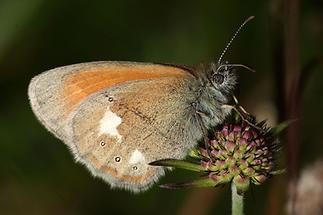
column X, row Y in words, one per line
column 117, row 159
column 218, row 78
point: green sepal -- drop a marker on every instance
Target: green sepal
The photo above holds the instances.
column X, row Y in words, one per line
column 194, row 153
column 242, row 184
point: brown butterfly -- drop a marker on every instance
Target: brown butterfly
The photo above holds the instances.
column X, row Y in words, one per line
column 117, row 117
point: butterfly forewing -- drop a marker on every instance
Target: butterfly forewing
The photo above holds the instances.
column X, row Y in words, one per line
column 57, row 93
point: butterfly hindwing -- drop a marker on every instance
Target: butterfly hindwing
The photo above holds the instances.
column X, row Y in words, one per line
column 118, row 131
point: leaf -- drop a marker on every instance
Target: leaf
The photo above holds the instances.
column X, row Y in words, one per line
column 279, row 128
column 178, row 164
column 278, row 172
column 198, row 183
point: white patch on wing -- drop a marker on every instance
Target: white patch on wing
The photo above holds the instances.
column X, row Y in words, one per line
column 136, row 157
column 109, row 124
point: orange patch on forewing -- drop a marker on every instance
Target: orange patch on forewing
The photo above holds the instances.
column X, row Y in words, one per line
column 80, row 85
column 112, row 171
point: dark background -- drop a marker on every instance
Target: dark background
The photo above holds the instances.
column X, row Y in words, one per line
column 37, row 172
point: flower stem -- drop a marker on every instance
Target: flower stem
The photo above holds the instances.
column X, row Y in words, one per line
column 237, row 201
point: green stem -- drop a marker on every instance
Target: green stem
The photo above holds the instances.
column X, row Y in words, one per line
column 237, row 201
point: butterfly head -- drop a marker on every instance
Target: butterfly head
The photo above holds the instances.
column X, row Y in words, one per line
column 221, row 77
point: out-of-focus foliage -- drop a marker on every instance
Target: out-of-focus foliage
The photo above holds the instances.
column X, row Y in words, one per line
column 37, row 172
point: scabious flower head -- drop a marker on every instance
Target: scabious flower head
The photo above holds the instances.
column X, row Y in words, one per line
column 241, row 153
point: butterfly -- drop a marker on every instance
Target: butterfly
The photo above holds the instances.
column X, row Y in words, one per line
column 116, row 117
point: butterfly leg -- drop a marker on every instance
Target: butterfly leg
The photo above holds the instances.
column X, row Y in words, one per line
column 198, row 116
column 245, row 116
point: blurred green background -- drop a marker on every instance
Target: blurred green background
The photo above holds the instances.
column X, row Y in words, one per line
column 37, row 171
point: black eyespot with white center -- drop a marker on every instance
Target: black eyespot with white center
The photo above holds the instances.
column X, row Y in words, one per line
column 117, row 159
column 102, row 143
column 110, row 99
column 134, row 168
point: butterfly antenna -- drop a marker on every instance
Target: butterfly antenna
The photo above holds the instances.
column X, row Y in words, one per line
column 234, row 36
